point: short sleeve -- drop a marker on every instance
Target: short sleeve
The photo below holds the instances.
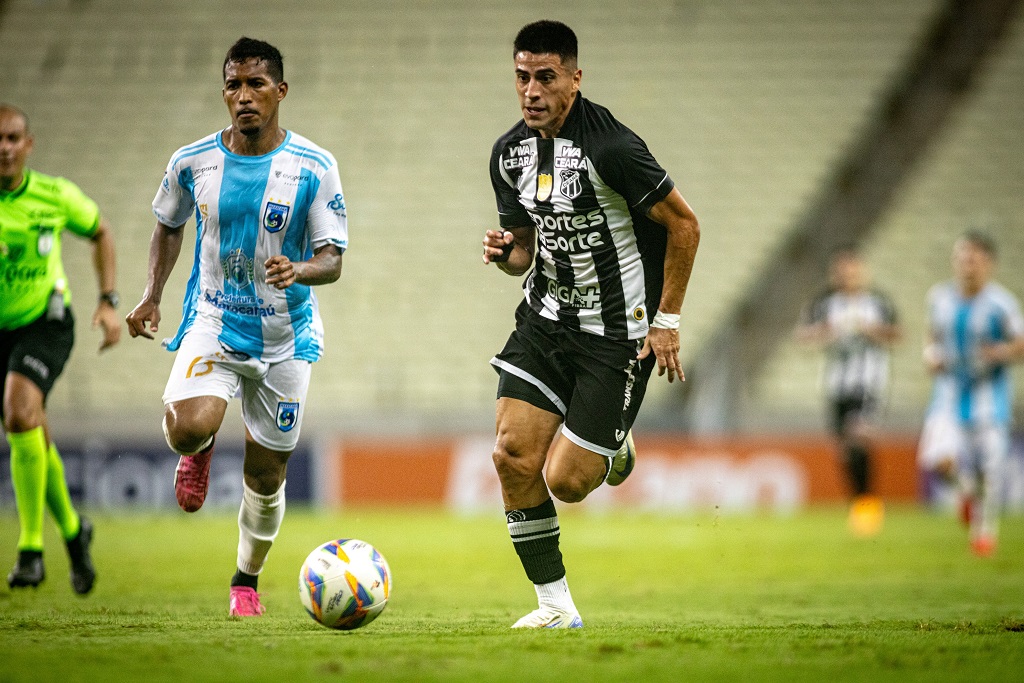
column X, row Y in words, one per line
column 81, row 213
column 511, row 213
column 931, row 301
column 630, row 169
column 1014, row 321
column 327, row 219
column 174, row 203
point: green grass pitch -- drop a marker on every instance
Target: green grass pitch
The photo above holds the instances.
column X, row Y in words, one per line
column 689, row 598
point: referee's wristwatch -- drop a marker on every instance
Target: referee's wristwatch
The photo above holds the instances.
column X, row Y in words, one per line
column 110, row 298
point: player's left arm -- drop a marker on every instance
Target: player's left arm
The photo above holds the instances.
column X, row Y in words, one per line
column 888, row 331
column 322, row 269
column 1010, row 350
column 327, row 226
column 105, row 264
column 683, row 237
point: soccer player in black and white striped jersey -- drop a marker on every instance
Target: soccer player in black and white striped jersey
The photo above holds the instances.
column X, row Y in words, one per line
column 611, row 243
column 856, row 325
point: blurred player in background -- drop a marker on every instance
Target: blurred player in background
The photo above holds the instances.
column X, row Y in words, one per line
column 612, row 243
column 975, row 331
column 271, row 223
column 37, row 331
column 856, row 325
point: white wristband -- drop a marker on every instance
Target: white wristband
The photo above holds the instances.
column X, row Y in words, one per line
column 666, row 321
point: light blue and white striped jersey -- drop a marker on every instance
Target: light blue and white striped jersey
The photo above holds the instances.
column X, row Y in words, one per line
column 247, row 209
column 970, row 389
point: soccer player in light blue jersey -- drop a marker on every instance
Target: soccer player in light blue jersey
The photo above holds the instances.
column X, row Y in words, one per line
column 271, row 223
column 975, row 332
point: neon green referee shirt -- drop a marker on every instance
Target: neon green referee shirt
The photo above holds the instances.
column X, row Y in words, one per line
column 32, row 218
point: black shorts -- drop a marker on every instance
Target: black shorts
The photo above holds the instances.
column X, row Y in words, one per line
column 595, row 384
column 845, row 409
column 38, row 350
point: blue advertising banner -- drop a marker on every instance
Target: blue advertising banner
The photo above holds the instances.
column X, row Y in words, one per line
column 105, row 474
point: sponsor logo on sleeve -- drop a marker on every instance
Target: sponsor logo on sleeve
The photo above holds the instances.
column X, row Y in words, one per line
column 337, row 205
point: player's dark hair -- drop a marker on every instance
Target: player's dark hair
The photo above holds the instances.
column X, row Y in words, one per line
column 982, row 241
column 17, row 111
column 846, row 250
column 548, row 37
column 245, row 49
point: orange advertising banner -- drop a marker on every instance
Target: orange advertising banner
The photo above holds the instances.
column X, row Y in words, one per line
column 673, row 474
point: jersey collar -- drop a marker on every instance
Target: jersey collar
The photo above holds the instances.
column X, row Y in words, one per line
column 228, row 152
column 20, row 189
column 569, row 126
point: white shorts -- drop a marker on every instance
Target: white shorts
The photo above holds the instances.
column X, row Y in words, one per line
column 946, row 438
column 273, row 394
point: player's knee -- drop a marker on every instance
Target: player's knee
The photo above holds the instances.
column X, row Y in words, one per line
column 513, row 461
column 185, row 434
column 568, row 489
column 20, row 417
column 945, row 469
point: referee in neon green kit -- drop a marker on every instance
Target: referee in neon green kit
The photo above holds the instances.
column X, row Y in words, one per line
column 37, row 331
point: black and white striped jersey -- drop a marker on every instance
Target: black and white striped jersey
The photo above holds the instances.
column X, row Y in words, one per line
column 855, row 366
column 600, row 259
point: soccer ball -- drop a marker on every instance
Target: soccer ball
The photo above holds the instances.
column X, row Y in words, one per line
column 345, row 584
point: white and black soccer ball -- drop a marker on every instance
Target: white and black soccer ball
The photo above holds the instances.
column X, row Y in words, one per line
column 345, row 584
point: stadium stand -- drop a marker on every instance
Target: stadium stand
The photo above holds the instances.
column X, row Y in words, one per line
column 970, row 178
column 746, row 104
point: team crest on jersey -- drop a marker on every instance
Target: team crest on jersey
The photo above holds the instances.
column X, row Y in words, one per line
column 238, row 269
column 571, row 187
column 44, row 245
column 275, row 216
column 544, row 184
column 287, row 415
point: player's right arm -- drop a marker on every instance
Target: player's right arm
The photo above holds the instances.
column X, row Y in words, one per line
column 813, row 328
column 520, row 244
column 164, row 247
column 513, row 245
column 932, row 354
column 173, row 204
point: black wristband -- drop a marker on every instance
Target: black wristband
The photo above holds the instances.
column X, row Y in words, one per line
column 111, row 298
column 506, row 251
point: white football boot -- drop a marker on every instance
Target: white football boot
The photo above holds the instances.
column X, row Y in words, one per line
column 622, row 462
column 549, row 617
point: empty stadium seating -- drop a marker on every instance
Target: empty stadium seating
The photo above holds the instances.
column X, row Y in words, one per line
column 746, row 105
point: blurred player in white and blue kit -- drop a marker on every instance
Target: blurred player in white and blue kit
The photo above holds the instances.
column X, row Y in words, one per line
column 271, row 222
column 975, row 331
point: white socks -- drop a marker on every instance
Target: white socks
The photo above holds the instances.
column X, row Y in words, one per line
column 259, row 520
column 556, row 594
